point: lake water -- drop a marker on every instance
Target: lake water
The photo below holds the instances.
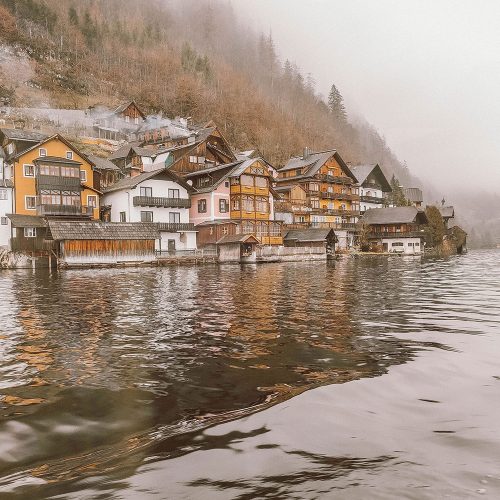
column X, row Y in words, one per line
column 366, row 378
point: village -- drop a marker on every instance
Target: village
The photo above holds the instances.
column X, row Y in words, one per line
column 134, row 190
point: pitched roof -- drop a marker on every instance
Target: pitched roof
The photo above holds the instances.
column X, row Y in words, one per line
column 309, row 234
column 363, row 171
column 238, row 238
column 313, row 162
column 122, row 107
column 132, row 182
column 394, row 215
column 124, row 151
column 414, row 195
column 19, row 220
column 97, row 230
column 447, row 212
column 15, row 134
column 102, row 163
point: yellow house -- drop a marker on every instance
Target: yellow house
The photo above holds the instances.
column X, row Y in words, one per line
column 53, row 178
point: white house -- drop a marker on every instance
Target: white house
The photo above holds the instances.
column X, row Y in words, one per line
column 373, row 186
column 6, row 200
column 159, row 196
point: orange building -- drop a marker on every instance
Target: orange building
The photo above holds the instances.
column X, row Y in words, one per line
column 53, row 178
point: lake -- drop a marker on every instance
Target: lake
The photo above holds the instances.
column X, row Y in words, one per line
column 370, row 377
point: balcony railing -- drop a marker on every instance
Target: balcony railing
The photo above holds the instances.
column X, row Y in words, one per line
column 372, row 199
column 46, row 209
column 338, row 179
column 339, row 196
column 173, row 227
column 58, row 182
column 395, row 234
column 154, row 201
column 322, row 225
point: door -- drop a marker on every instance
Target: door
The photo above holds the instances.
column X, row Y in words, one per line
column 386, row 247
column 171, row 245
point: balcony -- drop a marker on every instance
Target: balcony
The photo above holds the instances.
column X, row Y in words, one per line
column 58, row 182
column 339, row 196
column 373, row 199
column 174, row 227
column 336, row 179
column 73, row 210
column 395, row 234
column 154, row 201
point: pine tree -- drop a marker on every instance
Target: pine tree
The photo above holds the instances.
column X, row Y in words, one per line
column 336, row 104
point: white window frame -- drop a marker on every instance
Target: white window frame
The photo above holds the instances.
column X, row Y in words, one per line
column 92, row 196
column 123, row 216
column 26, row 202
column 84, row 178
column 42, row 152
column 69, row 155
column 24, row 170
column 4, row 194
column 30, row 232
column 4, row 221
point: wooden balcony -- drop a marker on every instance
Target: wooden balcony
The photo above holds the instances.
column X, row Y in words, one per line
column 395, row 234
column 32, row 245
column 175, row 227
column 339, row 196
column 154, row 201
column 73, row 210
column 336, row 179
column 58, row 182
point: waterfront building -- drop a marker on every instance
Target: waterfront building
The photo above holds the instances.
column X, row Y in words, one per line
column 6, row 200
column 235, row 198
column 374, row 186
column 394, row 229
column 323, row 238
column 160, row 197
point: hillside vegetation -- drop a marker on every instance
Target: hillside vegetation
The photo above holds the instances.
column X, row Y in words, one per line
column 190, row 58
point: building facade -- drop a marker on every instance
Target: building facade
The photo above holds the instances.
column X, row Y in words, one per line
column 374, row 186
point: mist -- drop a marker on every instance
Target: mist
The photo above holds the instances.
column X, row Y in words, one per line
column 423, row 73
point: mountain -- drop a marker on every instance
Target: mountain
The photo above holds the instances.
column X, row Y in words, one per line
column 186, row 58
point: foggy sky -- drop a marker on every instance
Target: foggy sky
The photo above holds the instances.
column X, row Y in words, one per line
column 425, row 73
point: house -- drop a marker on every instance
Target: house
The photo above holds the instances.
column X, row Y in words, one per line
column 6, row 200
column 15, row 141
column 242, row 192
column 293, row 206
column 373, row 186
column 238, row 248
column 414, row 196
column 53, row 178
column 394, row 230
column 106, row 172
column 447, row 213
column 96, row 242
column 30, row 236
column 160, row 197
column 312, row 237
column 131, row 159
column 119, row 123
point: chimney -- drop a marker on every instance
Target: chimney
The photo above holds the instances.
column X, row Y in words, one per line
column 305, row 156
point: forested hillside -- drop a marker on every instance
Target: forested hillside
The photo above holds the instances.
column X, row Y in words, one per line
column 189, row 58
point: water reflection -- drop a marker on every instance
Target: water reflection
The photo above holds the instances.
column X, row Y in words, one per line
column 101, row 370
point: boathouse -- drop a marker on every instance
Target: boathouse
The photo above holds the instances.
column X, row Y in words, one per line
column 312, row 238
column 238, row 248
column 94, row 243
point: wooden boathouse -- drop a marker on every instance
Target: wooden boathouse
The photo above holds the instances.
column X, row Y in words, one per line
column 89, row 243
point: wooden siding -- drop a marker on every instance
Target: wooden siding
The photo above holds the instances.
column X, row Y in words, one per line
column 115, row 248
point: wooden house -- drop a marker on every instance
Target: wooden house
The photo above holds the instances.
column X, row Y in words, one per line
column 374, row 186
column 414, row 196
column 312, row 237
column 331, row 187
column 395, row 229
column 241, row 191
column 238, row 248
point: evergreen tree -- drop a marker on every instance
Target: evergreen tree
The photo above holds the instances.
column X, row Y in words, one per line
column 435, row 230
column 336, row 104
column 397, row 197
column 73, row 16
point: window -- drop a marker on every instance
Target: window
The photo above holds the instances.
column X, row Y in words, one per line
column 30, row 232
column 174, row 217
column 136, row 120
column 127, row 118
column 147, row 191
column 314, row 203
column 225, row 230
column 261, row 182
column 202, row 206
column 83, row 176
column 173, row 193
column 3, row 221
column 262, row 204
column 236, row 203
column 246, row 180
column 123, row 217
column 226, row 184
column 398, row 244
column 298, row 171
column 203, row 181
column 69, row 155
column 92, row 200
column 223, row 206
column 193, row 159
column 4, row 194
column 146, row 216
column 29, row 171
column 30, row 202
column 42, row 152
